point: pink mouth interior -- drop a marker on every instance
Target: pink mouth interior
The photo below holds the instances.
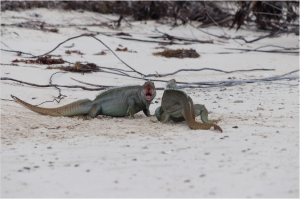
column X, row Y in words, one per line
column 148, row 90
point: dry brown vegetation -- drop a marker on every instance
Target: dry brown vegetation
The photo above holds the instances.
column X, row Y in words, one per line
column 266, row 15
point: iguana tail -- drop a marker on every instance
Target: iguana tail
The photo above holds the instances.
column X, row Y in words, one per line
column 197, row 125
column 80, row 107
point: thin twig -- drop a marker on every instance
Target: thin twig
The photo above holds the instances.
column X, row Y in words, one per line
column 264, row 51
column 200, row 69
column 295, row 48
column 60, row 96
column 215, row 22
column 171, row 37
column 15, row 51
column 234, row 83
column 283, row 83
column 102, row 86
column 229, row 18
column 216, row 83
column 251, row 41
column 51, row 85
column 83, row 35
column 149, row 41
column 89, row 35
column 187, row 85
column 118, row 57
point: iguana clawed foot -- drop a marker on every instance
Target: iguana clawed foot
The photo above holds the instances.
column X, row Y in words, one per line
column 213, row 121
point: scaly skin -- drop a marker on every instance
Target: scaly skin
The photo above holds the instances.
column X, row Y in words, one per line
column 178, row 106
column 118, row 102
column 199, row 109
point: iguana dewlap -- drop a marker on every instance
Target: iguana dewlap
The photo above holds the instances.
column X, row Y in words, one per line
column 178, row 106
column 118, row 101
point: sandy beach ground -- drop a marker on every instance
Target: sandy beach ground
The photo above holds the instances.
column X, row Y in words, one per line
column 44, row 156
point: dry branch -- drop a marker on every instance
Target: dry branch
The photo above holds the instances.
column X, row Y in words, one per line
column 287, row 50
column 97, row 85
column 235, row 82
column 51, row 85
column 18, row 52
column 200, row 69
column 266, row 15
column 93, row 36
column 186, row 84
column 149, row 41
column 171, row 38
column 133, row 70
column 251, row 41
column 250, row 81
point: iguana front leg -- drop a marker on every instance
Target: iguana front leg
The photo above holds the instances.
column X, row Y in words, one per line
column 131, row 105
column 147, row 112
column 158, row 113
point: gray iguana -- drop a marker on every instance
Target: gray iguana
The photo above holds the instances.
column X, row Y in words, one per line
column 178, row 106
column 117, row 101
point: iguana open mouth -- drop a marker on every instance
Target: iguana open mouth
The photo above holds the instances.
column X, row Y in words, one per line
column 149, row 91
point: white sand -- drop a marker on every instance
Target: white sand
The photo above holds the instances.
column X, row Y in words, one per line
column 121, row 157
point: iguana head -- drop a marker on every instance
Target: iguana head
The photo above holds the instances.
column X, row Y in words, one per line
column 171, row 84
column 148, row 91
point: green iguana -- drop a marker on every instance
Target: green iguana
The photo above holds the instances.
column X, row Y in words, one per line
column 178, row 106
column 117, row 101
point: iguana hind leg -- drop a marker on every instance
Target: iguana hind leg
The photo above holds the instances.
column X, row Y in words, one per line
column 197, row 125
column 173, row 111
column 158, row 112
column 94, row 111
column 202, row 111
column 165, row 117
